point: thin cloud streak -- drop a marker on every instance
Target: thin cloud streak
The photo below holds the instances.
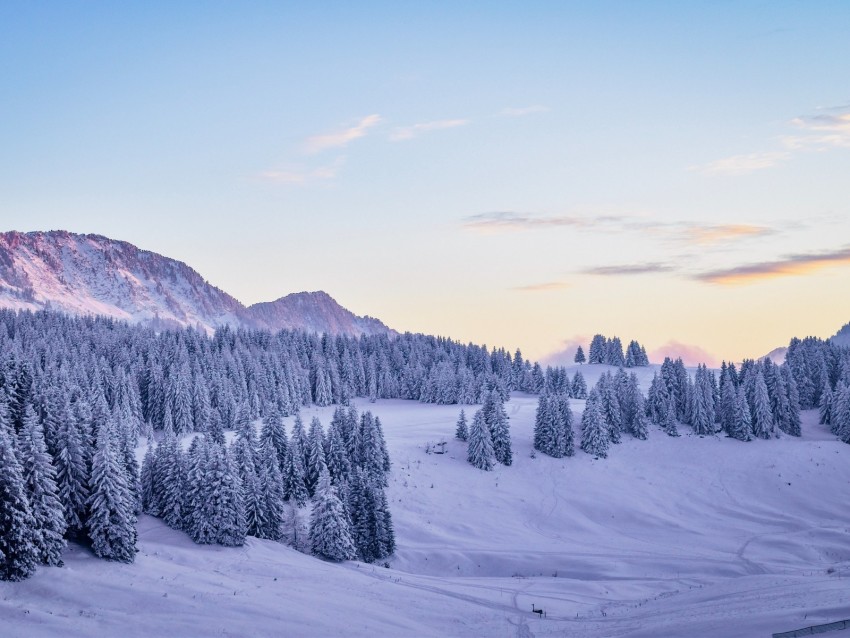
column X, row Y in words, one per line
column 706, row 235
column 409, row 132
column 628, row 269
column 689, row 233
column 319, row 143
column 544, row 287
column 743, row 164
column 792, row 265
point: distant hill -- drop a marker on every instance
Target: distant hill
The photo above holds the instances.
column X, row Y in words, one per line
column 842, row 337
column 92, row 274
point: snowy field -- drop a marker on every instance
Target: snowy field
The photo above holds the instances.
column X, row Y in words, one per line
column 698, row 537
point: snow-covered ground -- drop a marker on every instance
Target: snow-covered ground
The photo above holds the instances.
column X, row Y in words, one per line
column 667, row 537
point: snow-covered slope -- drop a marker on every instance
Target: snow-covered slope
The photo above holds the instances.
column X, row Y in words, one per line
column 842, row 337
column 313, row 311
column 689, row 536
column 91, row 274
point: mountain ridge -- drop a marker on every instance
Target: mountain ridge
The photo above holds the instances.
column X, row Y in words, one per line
column 93, row 274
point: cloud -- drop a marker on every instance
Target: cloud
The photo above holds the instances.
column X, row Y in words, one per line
column 821, row 132
column 509, row 221
column 337, row 139
column 800, row 264
column 743, row 164
column 814, row 133
column 301, row 176
column 691, row 355
column 523, row 111
column 546, row 286
column 409, row 132
column 711, row 234
column 565, row 356
column 687, row 232
column 628, row 269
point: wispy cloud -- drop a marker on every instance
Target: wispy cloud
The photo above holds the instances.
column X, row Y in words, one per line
column 691, row 355
column 523, row 111
column 505, row 221
column 829, row 129
column 821, row 132
column 712, row 234
column 628, row 269
column 303, row 176
column 800, row 264
column 743, row 164
column 409, row 132
column 544, row 287
column 686, row 232
column 341, row 138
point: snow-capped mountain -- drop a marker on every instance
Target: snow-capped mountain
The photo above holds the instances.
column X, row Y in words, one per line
column 842, row 337
column 315, row 312
column 92, row 274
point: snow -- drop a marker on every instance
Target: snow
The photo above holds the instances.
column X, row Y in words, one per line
column 666, row 537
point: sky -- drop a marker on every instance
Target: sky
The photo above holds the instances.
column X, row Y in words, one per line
column 516, row 174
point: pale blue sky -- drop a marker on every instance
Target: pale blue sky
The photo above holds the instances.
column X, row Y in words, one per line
column 455, row 168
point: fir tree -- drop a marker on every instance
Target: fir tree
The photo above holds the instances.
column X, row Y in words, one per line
column 273, row 434
column 462, row 430
column 762, row 421
column 229, row 521
column 40, row 483
column 595, row 432
column 742, row 428
column 825, row 406
column 579, row 358
column 480, row 450
column 72, row 474
column 294, row 486
column 330, row 537
column 670, row 419
column 112, row 524
column 19, row 553
column 271, row 482
column 315, row 456
column 579, row 387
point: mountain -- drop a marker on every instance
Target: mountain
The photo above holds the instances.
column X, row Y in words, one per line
column 842, row 337
column 314, row 312
column 92, row 274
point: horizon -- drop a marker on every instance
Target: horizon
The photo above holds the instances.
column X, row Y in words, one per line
column 524, row 178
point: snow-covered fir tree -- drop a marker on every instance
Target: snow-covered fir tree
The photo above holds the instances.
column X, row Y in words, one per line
column 19, row 543
column 40, row 483
column 480, row 446
column 595, row 434
column 462, row 428
column 111, row 523
column 330, row 536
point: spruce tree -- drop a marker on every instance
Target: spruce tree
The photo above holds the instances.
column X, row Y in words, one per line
column 595, row 434
column 762, row 422
column 579, row 387
column 742, row 427
column 294, row 486
column 40, row 483
column 72, row 473
column 19, row 552
column 330, row 537
column 112, row 524
column 670, row 418
column 579, row 358
column 271, row 484
column 315, row 456
column 480, row 449
column 228, row 506
column 273, row 434
column 462, row 430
